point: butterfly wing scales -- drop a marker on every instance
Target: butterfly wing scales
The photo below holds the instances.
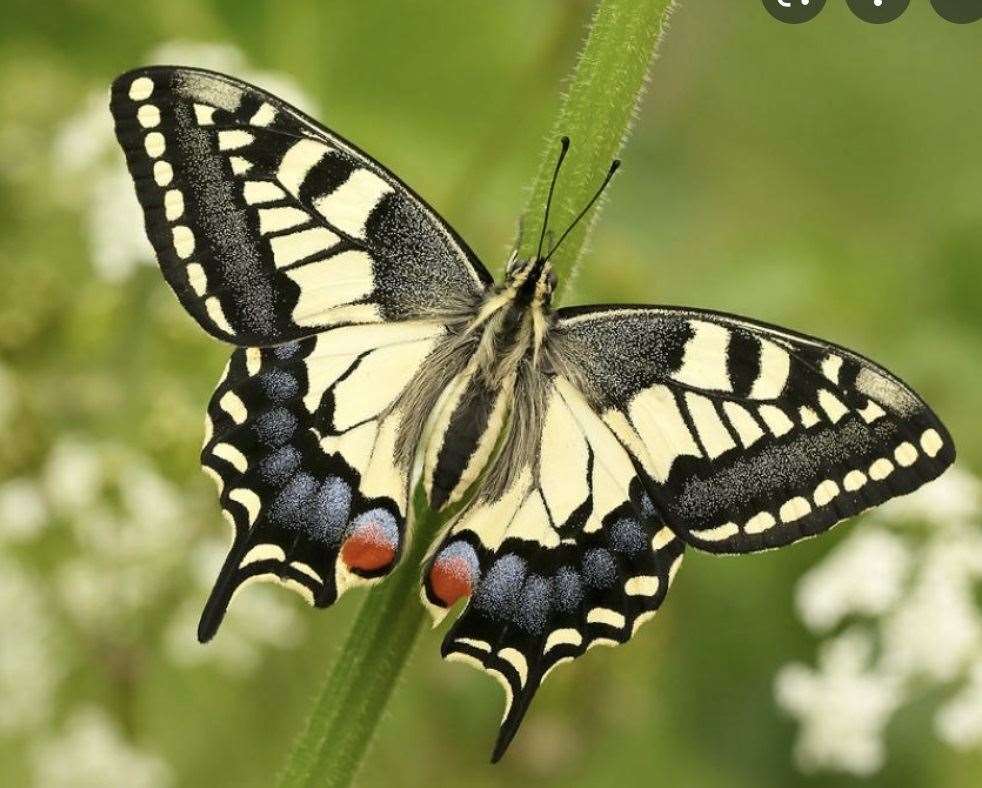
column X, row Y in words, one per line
column 270, row 227
column 571, row 555
column 751, row 437
column 300, row 440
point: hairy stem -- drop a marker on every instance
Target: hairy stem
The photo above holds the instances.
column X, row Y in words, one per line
column 596, row 113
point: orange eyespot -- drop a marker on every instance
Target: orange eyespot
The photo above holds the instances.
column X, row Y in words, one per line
column 368, row 549
column 450, row 580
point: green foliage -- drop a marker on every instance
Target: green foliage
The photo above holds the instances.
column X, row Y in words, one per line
column 825, row 177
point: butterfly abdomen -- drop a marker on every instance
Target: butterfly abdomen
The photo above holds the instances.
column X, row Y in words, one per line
column 468, row 426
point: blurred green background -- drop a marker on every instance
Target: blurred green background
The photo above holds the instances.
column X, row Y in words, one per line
column 826, row 177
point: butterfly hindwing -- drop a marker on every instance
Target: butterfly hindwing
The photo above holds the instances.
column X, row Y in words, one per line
column 751, row 436
column 301, row 440
column 570, row 555
column 268, row 226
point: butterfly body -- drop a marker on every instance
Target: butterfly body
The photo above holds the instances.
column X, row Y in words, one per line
column 583, row 449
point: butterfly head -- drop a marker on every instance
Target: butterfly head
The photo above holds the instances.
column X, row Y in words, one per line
column 531, row 281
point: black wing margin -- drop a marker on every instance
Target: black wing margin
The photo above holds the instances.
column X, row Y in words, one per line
column 750, row 436
column 268, row 226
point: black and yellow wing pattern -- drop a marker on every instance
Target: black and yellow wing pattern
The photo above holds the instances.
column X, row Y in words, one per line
column 580, row 470
column 330, row 274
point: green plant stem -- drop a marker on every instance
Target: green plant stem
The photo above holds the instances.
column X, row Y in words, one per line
column 357, row 691
column 596, row 113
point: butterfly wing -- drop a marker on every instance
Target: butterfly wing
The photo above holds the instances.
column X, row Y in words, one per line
column 301, row 440
column 570, row 555
column 270, row 227
column 750, row 436
column 334, row 279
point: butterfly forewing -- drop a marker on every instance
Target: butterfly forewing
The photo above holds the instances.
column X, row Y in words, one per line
column 750, row 436
column 268, row 226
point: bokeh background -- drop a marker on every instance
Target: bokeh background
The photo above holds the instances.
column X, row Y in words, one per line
column 826, row 176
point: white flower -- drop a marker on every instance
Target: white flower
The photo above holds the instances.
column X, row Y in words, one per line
column 937, row 629
column 29, row 669
column 842, row 707
column 864, row 575
column 23, row 511
column 959, row 721
column 91, row 753
column 73, row 475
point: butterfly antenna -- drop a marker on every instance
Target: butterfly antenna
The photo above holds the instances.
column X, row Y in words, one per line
column 614, row 165
column 552, row 187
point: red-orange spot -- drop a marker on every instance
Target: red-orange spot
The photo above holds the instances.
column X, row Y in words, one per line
column 367, row 549
column 450, row 579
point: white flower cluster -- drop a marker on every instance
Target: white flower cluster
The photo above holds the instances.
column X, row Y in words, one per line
column 905, row 580
column 86, row 149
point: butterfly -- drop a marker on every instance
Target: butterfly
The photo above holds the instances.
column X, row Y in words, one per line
column 582, row 449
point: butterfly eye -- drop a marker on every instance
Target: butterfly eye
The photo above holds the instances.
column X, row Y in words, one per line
column 551, row 280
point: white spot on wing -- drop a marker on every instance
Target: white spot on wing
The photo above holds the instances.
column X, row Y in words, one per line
column 331, row 283
column 183, row 241
column 289, row 249
column 258, row 192
column 204, row 115
column 217, row 314
column 794, row 509
column 760, row 522
column 229, row 453
column 831, row 365
column 154, row 144
column 832, row 406
column 717, row 534
column 712, row 432
column 642, row 585
column 871, row 412
column 197, row 278
column 249, row 501
column 350, row 204
column 704, row 358
column 173, row 204
column 263, row 116
column 604, row 615
column 263, row 552
column 234, row 407
column 854, row 480
column 777, row 420
column 746, row 427
column 880, row 469
column 148, row 115
column 141, row 88
column 233, row 139
column 905, row 454
column 163, row 173
column 297, row 162
column 775, row 364
column 931, row 442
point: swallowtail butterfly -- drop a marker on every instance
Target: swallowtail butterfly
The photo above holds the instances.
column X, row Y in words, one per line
column 585, row 447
